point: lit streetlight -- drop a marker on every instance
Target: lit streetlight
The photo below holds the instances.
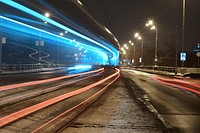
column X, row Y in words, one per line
column 133, row 60
column 156, row 45
column 58, row 52
column 47, row 14
column 153, row 27
column 137, row 35
column 41, row 43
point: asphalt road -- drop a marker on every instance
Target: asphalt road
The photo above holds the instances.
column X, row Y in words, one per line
column 179, row 108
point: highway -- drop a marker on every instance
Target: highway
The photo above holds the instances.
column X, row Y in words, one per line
column 177, row 107
column 49, row 100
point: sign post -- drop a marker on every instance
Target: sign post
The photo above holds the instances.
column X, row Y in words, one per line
column 2, row 41
column 197, row 51
column 183, row 58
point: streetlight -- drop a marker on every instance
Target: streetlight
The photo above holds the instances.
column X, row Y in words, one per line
column 153, row 27
column 183, row 30
column 124, row 52
column 137, row 35
column 133, row 60
column 156, row 45
column 41, row 43
column 142, row 47
column 58, row 52
column 47, row 14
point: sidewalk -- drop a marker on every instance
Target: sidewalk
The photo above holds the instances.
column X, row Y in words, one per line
column 117, row 111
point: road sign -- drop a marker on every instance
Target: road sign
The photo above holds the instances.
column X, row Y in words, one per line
column 183, row 57
column 41, row 43
column 3, row 40
column 36, row 43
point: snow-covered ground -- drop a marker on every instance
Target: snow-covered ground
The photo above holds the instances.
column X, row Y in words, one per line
column 117, row 111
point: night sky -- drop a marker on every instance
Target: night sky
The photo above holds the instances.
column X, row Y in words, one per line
column 125, row 17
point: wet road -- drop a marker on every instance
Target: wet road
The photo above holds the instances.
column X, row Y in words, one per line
column 180, row 108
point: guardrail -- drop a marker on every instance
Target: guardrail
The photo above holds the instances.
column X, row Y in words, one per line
column 166, row 69
column 27, row 67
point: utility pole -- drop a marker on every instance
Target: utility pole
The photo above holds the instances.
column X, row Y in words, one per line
column 183, row 30
column 176, row 57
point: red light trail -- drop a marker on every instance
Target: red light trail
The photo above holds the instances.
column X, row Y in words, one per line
column 189, row 86
column 24, row 112
column 29, row 94
column 76, row 106
column 8, row 87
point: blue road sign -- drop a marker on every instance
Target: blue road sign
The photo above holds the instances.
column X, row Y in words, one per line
column 183, row 57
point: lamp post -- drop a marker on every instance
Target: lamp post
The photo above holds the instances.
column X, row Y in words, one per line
column 41, row 43
column 156, row 45
column 142, row 47
column 137, row 35
column 58, row 51
column 133, row 51
column 183, row 30
column 153, row 27
column 133, row 60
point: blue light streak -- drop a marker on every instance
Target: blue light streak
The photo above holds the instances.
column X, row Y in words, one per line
column 80, row 67
column 21, row 27
column 43, row 18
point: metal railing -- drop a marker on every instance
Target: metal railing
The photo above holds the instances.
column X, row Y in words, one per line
column 166, row 69
column 27, row 67
column 21, row 67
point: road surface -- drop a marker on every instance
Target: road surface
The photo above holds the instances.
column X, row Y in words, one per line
column 177, row 107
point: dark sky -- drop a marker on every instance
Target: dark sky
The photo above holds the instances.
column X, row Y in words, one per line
column 125, row 17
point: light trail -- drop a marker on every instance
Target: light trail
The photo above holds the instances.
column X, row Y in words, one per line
column 189, row 83
column 38, row 92
column 65, row 28
column 24, row 112
column 26, row 84
column 167, row 82
column 76, row 106
column 28, row 29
